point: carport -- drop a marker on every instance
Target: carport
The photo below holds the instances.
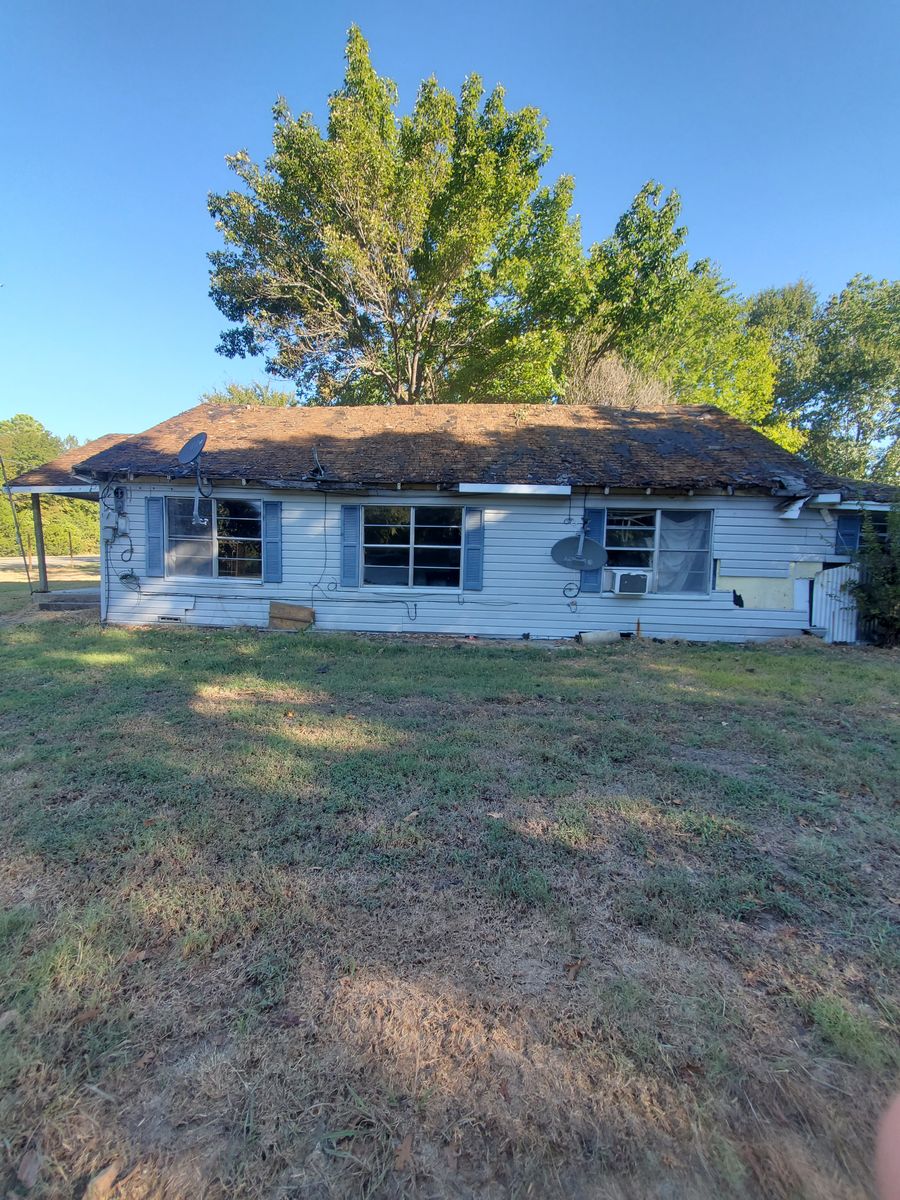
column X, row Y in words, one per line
column 56, row 478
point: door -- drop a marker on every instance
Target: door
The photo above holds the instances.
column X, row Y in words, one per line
column 834, row 609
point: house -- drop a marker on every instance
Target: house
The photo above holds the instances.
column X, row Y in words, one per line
column 442, row 519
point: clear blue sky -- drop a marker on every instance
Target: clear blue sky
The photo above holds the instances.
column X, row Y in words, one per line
column 777, row 120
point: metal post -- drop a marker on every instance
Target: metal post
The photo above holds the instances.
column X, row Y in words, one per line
column 15, row 517
column 39, row 541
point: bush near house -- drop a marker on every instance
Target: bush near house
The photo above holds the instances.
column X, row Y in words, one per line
column 877, row 590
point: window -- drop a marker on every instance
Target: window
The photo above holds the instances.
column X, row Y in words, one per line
column 674, row 544
column 228, row 546
column 412, row 547
column 848, row 531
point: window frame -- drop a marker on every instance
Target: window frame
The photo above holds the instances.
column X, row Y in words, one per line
column 214, row 576
column 878, row 517
column 655, row 551
column 410, row 585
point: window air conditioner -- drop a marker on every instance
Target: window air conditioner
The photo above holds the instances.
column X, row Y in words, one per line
column 626, row 581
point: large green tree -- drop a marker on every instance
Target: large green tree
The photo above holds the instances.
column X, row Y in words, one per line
column 251, row 393
column 838, row 372
column 404, row 259
column 676, row 321
column 26, row 443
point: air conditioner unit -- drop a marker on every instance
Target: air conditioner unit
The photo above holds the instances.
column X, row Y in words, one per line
column 626, row 581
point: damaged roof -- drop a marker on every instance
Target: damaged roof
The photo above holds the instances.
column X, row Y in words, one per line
column 60, row 471
column 676, row 448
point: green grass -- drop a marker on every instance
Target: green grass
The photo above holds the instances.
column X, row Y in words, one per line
column 568, row 918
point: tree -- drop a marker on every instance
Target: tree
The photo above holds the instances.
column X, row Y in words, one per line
column 789, row 316
column 251, row 393
column 407, row 259
column 853, row 413
column 838, row 372
column 876, row 589
column 26, row 443
column 678, row 322
column 609, row 380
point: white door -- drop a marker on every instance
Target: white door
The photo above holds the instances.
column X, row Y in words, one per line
column 834, row 608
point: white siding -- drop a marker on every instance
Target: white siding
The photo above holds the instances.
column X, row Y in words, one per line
column 523, row 588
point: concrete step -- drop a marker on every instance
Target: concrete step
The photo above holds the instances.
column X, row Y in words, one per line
column 69, row 606
column 77, row 599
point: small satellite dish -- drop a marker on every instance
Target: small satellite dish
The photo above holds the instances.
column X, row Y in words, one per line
column 191, row 449
column 579, row 554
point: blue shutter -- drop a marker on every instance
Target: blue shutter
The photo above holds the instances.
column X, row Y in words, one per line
column 271, row 550
column 154, row 535
column 591, row 581
column 473, row 555
column 849, row 525
column 350, row 516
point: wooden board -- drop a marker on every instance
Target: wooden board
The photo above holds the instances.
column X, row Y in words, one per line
column 283, row 615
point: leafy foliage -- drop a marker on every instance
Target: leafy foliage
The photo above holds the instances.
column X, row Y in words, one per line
column 877, row 589
column 401, row 259
column 838, row 377
column 677, row 322
column 854, row 414
column 251, row 393
column 26, row 443
column 421, row 258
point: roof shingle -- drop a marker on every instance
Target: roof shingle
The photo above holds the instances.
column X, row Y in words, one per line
column 59, row 471
column 675, row 448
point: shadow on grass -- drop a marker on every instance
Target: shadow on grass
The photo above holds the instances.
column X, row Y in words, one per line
column 409, row 865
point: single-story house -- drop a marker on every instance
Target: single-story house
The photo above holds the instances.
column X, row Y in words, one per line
column 442, row 519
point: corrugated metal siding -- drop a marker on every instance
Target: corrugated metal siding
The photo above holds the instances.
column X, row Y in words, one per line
column 523, row 588
column 833, row 608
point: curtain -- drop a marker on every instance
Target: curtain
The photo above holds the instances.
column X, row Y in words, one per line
column 684, row 549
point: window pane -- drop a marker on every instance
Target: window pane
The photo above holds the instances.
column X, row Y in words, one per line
column 681, row 530
column 435, row 558
column 180, row 511
column 379, row 514
column 629, row 537
column 240, row 568
column 240, row 559
column 641, row 518
column 438, row 516
column 635, row 528
column 241, row 510
column 630, row 558
column 386, row 526
column 189, row 556
column 238, row 519
column 435, row 577
column 387, row 556
column 386, row 576
column 683, row 571
column 438, row 535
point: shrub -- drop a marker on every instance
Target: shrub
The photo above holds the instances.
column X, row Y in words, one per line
column 877, row 588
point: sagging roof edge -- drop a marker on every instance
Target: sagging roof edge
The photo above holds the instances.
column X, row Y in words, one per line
column 815, row 496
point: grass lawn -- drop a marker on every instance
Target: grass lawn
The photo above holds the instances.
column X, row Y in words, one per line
column 323, row 916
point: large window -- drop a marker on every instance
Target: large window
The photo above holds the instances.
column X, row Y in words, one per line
column 228, row 546
column 673, row 544
column 412, row 547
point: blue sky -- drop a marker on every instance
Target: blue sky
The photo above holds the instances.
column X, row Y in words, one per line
column 777, row 120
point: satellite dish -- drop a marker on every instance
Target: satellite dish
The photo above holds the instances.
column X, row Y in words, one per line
column 579, row 553
column 191, row 449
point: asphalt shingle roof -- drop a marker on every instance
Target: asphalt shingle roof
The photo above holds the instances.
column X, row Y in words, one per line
column 59, row 471
column 675, row 448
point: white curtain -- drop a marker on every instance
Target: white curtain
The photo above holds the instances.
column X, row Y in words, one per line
column 684, row 549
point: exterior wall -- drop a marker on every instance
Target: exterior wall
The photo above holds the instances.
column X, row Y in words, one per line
column 523, row 587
